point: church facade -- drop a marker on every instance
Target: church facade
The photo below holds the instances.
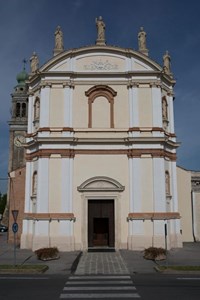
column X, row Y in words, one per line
column 100, row 150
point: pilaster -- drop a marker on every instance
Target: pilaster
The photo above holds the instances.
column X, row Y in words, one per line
column 43, row 185
column 171, row 112
column 28, row 184
column 135, row 227
column 30, row 113
column 133, row 105
column 156, row 105
column 67, row 106
column 44, row 105
column 66, row 227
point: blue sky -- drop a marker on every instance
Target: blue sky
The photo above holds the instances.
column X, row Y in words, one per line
column 173, row 25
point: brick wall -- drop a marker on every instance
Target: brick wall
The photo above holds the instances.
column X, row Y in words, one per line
column 16, row 201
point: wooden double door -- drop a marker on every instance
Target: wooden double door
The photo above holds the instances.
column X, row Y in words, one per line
column 101, row 223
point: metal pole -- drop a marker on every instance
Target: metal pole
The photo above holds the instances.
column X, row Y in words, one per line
column 165, row 236
column 15, row 249
column 166, row 242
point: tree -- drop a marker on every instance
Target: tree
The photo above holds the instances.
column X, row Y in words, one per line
column 3, row 201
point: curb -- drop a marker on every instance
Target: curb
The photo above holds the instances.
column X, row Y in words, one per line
column 16, row 270
column 181, row 272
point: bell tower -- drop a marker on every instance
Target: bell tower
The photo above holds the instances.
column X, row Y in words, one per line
column 18, row 122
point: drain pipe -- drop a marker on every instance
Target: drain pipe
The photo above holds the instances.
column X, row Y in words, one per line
column 192, row 210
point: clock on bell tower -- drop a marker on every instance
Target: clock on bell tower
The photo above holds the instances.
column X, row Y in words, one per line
column 18, row 122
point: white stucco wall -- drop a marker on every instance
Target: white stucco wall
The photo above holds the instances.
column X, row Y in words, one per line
column 184, row 197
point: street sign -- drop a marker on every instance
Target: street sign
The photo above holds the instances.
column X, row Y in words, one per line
column 15, row 227
column 15, row 214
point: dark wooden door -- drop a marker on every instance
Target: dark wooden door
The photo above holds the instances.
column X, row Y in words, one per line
column 101, row 223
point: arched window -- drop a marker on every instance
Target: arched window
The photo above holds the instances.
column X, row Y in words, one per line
column 167, row 183
column 101, row 113
column 18, row 110
column 34, row 184
column 23, row 110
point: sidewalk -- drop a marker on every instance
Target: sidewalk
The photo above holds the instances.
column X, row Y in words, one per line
column 188, row 255
column 64, row 265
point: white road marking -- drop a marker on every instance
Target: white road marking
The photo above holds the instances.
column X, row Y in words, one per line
column 100, row 282
column 188, row 278
column 98, row 288
column 99, row 277
column 23, row 278
column 92, row 296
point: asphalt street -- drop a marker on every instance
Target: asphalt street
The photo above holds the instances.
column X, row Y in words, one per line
column 141, row 286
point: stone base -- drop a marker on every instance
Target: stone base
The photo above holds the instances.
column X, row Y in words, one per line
column 26, row 241
column 141, row 242
column 63, row 243
column 100, row 42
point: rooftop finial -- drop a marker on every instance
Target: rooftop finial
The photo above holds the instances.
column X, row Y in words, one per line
column 100, row 31
column 24, row 64
column 142, row 41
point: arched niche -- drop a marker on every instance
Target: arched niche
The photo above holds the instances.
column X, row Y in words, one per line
column 103, row 91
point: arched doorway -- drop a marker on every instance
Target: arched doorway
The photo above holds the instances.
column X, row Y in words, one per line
column 101, row 195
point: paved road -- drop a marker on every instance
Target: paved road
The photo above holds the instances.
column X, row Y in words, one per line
column 16, row 287
column 165, row 287
column 141, row 286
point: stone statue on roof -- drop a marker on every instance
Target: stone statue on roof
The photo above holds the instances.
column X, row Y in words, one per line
column 34, row 61
column 59, row 47
column 142, row 41
column 100, row 31
column 167, row 63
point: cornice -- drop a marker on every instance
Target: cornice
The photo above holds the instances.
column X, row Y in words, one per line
column 71, row 153
column 49, row 216
column 153, row 216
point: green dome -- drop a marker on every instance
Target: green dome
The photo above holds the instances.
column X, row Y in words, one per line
column 22, row 77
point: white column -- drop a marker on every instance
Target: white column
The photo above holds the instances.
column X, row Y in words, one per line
column 136, row 169
column 71, row 107
column 30, row 114
column 174, row 194
column 66, row 201
column 156, row 106
column 135, row 227
column 159, row 192
column 174, row 186
column 27, row 206
column 171, row 113
column 67, row 108
column 28, row 185
column 42, row 227
column 43, row 186
column 159, row 185
column 133, row 107
column 44, row 106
